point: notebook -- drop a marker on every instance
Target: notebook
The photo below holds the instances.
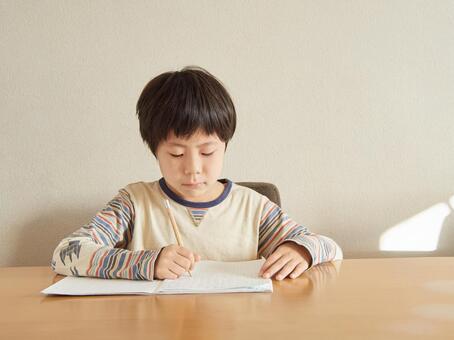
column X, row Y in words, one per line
column 207, row 277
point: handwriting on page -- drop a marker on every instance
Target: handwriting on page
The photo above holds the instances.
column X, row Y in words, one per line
column 212, row 277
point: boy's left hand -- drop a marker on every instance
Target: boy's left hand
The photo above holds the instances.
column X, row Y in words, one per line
column 288, row 258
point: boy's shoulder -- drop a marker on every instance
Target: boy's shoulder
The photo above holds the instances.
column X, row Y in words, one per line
column 241, row 190
column 140, row 187
column 141, row 184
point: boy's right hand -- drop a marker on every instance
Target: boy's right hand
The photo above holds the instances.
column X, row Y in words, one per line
column 173, row 261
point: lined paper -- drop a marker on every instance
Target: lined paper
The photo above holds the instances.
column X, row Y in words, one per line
column 220, row 277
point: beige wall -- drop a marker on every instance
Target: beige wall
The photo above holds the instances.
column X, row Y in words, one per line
column 346, row 105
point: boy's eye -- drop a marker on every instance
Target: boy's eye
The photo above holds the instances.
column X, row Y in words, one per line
column 207, row 153
column 177, row 155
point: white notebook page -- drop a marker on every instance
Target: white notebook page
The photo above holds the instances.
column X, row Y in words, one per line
column 215, row 277
column 92, row 286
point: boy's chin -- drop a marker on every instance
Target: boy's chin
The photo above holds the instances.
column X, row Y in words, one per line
column 192, row 194
column 199, row 193
column 194, row 187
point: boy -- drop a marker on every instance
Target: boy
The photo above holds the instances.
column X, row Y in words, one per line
column 186, row 119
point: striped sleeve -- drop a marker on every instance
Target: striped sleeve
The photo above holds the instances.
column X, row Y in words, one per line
column 98, row 249
column 276, row 228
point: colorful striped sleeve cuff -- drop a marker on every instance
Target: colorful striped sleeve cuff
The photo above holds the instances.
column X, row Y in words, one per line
column 110, row 263
column 276, row 228
column 98, row 249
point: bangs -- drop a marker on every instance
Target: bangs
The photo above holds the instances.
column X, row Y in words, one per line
column 183, row 103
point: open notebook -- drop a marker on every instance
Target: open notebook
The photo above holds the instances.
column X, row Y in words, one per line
column 207, row 277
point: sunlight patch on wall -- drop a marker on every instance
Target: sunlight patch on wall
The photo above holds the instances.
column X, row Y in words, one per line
column 418, row 233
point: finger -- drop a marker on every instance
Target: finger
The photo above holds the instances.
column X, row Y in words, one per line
column 299, row 269
column 287, row 269
column 171, row 275
column 167, row 274
column 176, row 269
column 187, row 254
column 183, row 262
column 276, row 266
column 269, row 261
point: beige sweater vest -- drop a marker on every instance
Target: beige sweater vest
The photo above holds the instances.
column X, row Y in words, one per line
column 229, row 231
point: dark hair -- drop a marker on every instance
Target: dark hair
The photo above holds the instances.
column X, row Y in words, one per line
column 183, row 102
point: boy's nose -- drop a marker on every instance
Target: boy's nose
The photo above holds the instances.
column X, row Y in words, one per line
column 192, row 166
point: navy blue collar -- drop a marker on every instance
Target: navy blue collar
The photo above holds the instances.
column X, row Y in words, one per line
column 190, row 204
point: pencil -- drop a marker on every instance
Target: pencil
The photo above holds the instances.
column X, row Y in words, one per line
column 174, row 226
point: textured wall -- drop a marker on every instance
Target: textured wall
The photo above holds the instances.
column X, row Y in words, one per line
column 347, row 106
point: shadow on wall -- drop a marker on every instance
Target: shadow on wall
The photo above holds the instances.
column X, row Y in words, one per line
column 428, row 233
column 38, row 238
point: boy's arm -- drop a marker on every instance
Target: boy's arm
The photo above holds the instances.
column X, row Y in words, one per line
column 98, row 248
column 276, row 228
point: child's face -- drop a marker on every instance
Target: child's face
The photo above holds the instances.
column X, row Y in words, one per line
column 192, row 166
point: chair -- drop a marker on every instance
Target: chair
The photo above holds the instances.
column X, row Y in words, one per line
column 267, row 189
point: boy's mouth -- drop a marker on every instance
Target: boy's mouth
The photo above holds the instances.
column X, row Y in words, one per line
column 192, row 185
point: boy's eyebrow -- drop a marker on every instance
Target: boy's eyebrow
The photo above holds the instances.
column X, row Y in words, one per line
column 183, row 146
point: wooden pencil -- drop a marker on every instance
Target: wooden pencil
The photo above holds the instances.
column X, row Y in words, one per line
column 174, row 226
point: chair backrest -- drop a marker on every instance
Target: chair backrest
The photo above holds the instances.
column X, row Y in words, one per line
column 267, row 189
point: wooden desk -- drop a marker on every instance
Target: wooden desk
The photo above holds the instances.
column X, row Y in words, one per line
column 406, row 298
